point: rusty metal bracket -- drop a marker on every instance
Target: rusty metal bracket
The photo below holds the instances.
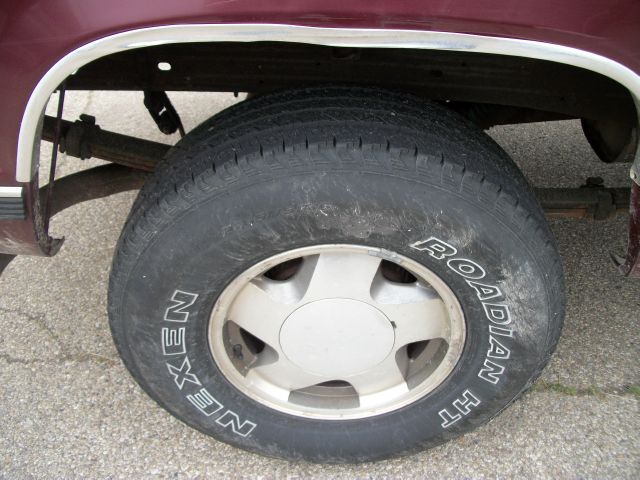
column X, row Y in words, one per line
column 629, row 266
column 97, row 182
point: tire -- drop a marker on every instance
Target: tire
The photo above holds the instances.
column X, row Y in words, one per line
column 363, row 171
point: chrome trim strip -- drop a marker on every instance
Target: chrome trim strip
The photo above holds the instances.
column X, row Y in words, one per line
column 335, row 37
column 10, row 192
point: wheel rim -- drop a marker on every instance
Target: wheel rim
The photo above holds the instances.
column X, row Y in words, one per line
column 337, row 332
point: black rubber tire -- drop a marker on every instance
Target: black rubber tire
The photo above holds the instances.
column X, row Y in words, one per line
column 392, row 171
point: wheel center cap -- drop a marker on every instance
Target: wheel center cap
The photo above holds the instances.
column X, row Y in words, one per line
column 337, row 337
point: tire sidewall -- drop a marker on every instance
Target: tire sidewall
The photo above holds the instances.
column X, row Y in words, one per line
column 209, row 243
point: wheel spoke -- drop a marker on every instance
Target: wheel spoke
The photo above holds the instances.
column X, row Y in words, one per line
column 419, row 321
column 342, row 276
column 419, row 314
column 281, row 377
column 259, row 313
column 386, row 380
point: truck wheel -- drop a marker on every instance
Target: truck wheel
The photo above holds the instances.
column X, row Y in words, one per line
column 336, row 275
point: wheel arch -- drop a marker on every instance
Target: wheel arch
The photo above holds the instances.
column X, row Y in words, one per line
column 413, row 40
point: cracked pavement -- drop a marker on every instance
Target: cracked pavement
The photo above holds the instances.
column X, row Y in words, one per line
column 70, row 409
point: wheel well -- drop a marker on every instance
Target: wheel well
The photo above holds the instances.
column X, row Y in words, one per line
column 464, row 69
column 487, row 88
column 453, row 76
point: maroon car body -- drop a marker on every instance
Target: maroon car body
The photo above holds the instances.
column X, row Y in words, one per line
column 36, row 34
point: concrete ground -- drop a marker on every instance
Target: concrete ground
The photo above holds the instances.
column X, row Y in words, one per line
column 69, row 409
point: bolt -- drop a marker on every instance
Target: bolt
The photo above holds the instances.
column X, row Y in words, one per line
column 237, row 351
